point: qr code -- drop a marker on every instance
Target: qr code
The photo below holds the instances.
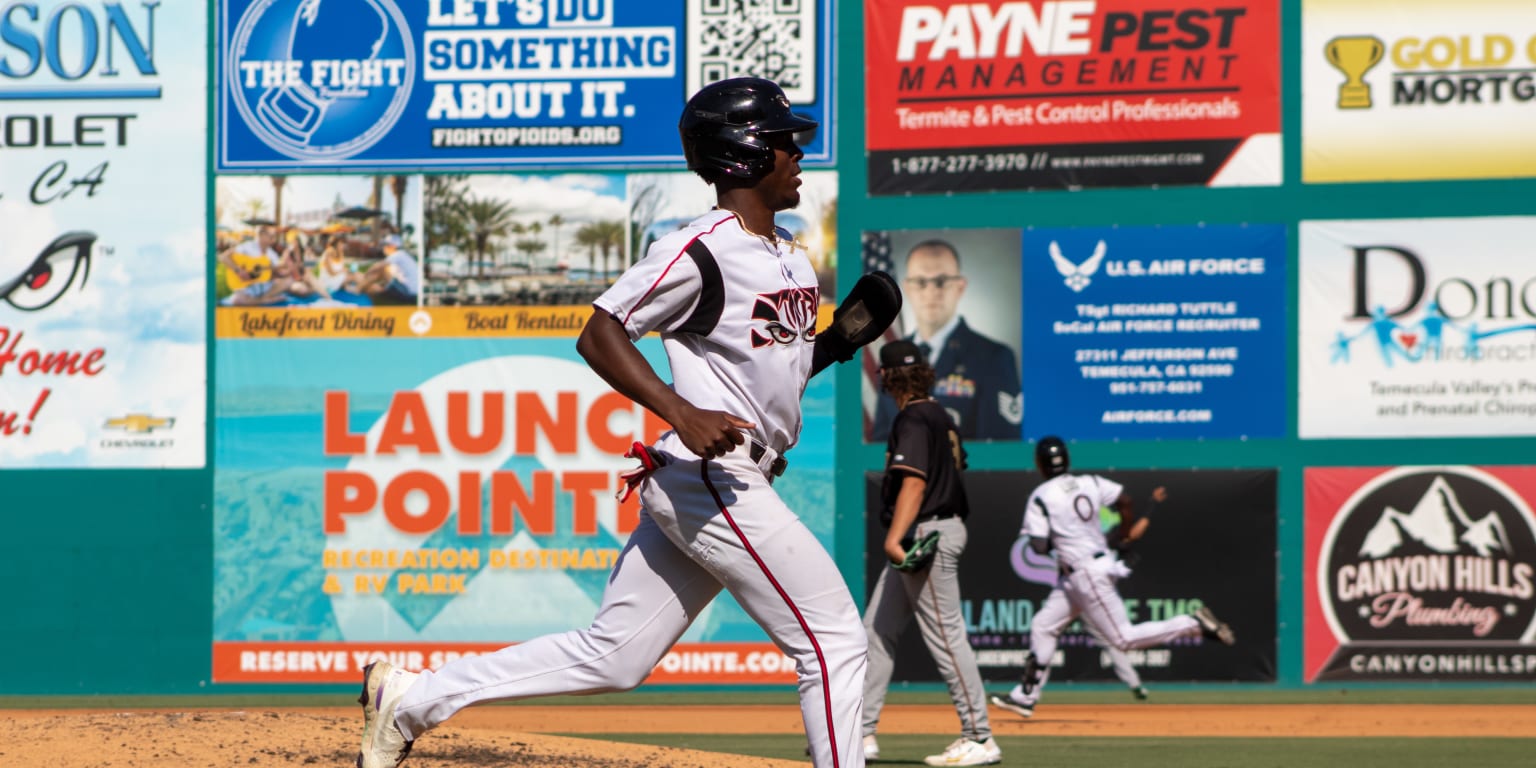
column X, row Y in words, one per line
column 775, row 39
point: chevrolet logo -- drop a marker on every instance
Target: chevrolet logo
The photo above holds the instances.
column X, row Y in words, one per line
column 139, row 423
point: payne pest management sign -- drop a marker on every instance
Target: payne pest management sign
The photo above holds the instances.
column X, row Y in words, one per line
column 1071, row 93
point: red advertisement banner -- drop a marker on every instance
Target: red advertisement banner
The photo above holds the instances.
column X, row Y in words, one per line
column 1195, row 78
column 1420, row 573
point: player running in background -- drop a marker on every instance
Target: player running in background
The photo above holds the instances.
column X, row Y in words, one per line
column 734, row 299
column 1061, row 516
column 1120, row 538
column 923, row 495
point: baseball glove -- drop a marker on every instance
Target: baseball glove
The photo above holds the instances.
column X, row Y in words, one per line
column 920, row 554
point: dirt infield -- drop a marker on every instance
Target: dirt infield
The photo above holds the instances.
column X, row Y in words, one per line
column 514, row 735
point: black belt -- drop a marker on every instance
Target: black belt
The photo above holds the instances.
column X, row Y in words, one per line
column 1067, row 570
column 941, row 516
column 776, row 468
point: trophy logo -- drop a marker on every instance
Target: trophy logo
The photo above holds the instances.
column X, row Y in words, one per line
column 1354, row 56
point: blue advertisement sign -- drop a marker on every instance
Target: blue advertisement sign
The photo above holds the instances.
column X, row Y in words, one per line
column 438, row 84
column 1155, row 332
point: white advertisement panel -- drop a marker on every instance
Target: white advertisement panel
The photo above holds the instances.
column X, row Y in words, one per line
column 103, row 235
column 1417, row 89
column 1417, row 328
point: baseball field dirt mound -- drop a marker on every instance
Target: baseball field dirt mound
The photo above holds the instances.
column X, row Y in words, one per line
column 512, row 736
column 268, row 739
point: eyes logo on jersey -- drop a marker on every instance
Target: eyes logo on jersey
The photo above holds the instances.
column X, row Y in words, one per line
column 785, row 316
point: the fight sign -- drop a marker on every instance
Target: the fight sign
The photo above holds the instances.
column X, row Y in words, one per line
column 386, row 84
column 1420, row 573
column 997, row 95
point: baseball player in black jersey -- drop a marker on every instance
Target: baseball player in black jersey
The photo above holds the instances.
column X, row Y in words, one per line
column 924, row 510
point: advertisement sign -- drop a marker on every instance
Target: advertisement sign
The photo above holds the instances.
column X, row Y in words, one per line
column 102, row 236
column 1212, row 542
column 1419, row 89
column 962, row 303
column 436, row 84
column 1062, row 95
column 1417, row 328
column 1163, row 332
column 1420, row 573
column 418, row 499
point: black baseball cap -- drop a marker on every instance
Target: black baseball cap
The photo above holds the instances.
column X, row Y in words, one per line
column 901, row 353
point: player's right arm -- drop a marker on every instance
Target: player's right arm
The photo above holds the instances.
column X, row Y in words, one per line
column 605, row 345
column 1037, row 524
column 909, row 501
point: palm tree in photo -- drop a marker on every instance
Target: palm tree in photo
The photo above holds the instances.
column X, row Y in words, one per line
column 530, row 247
column 443, row 199
column 555, row 222
column 397, row 185
column 255, row 208
column 278, row 182
column 487, row 219
column 536, row 229
column 590, row 238
column 610, row 239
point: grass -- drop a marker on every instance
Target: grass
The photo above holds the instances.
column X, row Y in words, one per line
column 1099, row 752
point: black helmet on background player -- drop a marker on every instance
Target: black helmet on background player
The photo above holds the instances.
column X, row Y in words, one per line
column 1051, row 456
column 723, row 126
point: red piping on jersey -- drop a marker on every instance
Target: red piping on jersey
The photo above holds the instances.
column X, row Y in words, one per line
column 826, row 684
column 664, row 272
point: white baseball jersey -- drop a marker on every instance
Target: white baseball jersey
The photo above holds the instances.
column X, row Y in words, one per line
column 737, row 316
column 1065, row 509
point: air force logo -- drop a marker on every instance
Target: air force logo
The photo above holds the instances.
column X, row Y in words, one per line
column 320, row 79
column 1077, row 276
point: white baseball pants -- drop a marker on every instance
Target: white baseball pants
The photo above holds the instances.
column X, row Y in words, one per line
column 704, row 526
column 1089, row 591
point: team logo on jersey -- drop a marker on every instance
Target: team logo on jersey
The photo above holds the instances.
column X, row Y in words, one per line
column 1077, row 276
column 1426, row 572
column 784, row 316
column 320, row 81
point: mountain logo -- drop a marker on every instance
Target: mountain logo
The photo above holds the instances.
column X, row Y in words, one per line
column 1430, row 554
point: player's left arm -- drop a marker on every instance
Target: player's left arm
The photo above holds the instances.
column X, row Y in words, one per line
column 1138, row 527
column 865, row 313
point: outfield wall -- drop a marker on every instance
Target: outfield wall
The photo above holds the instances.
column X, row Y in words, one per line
column 1275, row 256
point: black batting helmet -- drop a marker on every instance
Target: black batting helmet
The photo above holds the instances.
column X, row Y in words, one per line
column 1051, row 456
column 723, row 126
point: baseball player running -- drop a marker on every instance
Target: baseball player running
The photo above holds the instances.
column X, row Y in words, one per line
column 735, row 301
column 1062, row 515
column 1121, row 534
column 924, row 503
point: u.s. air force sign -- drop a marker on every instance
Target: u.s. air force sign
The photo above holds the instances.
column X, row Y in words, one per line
column 1421, row 573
